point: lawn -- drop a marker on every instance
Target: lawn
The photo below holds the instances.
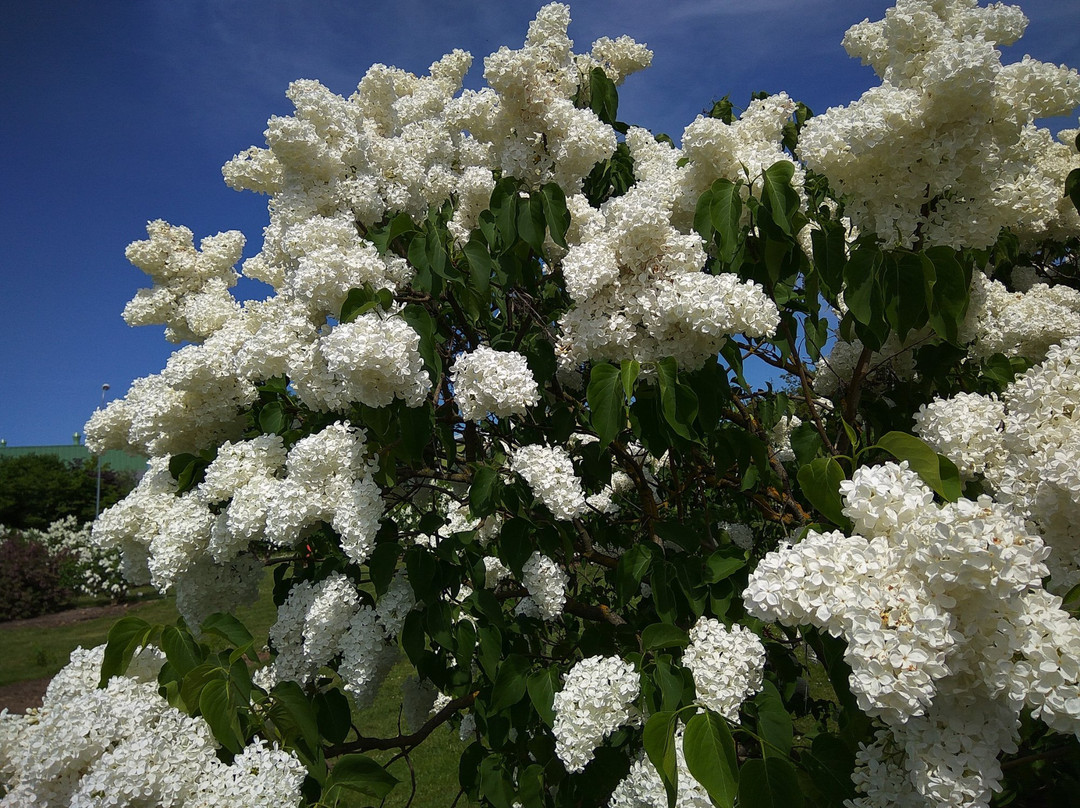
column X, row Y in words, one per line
column 33, row 652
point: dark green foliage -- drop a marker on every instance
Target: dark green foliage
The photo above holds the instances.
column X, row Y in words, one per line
column 38, row 489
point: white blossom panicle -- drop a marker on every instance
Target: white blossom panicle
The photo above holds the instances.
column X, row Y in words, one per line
column 546, row 584
column 328, row 478
column 944, row 613
column 637, row 282
column 741, row 535
column 418, row 698
column 643, row 788
column 371, row 360
column 526, row 117
column 1024, row 324
column 943, row 151
column 395, row 604
column 367, row 656
column 310, row 626
column 727, row 665
column 596, row 699
column 489, row 382
column 208, row 587
column 1026, row 446
column 123, row 743
column 780, row 437
column 190, row 296
column 549, row 473
column 619, row 57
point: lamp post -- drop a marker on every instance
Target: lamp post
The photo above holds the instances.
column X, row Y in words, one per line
column 97, row 499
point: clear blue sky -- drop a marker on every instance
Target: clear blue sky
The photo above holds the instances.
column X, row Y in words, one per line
column 117, row 112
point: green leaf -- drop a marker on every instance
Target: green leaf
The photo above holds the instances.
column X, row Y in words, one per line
column 860, row 272
column 360, row 774
column 531, row 222
column 703, row 223
column 607, row 404
column 482, row 491
column 663, row 635
column 1072, row 185
column 937, row 471
column 769, row 783
column 725, row 213
column 181, row 650
column 603, row 98
column 805, row 442
column 359, row 301
column 510, row 682
column 779, row 197
column 720, row 566
column 126, row 636
column 555, row 212
column 220, row 706
column 333, row 713
column 830, row 255
column 947, row 292
column 820, row 482
column 229, row 628
column 542, row 686
column 630, row 368
column 904, row 283
column 503, row 205
column 631, row 570
column 829, row 763
column 678, row 401
column 710, row 757
column 273, row 419
column 774, row 722
column 659, row 741
column 480, row 264
column 670, row 683
column 296, row 712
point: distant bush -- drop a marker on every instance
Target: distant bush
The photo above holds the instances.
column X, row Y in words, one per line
column 31, row 578
column 38, row 489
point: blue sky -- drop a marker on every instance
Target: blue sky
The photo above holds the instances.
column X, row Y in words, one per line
column 117, row 112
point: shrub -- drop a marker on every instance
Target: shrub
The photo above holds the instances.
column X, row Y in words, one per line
column 31, row 578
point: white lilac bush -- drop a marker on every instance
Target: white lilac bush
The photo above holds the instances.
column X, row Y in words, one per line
column 493, row 421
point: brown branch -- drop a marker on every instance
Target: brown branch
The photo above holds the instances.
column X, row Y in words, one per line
column 363, row 744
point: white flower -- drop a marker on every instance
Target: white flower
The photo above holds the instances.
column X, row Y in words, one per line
column 488, row 382
column 595, row 701
column 727, row 665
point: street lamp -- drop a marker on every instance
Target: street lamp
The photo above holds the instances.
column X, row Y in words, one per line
column 97, row 499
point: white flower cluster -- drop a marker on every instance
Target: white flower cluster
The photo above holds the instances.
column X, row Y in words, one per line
column 741, row 150
column 596, row 699
column 323, row 621
column 642, row 787
column 526, row 116
column 943, row 151
column 546, row 584
column 727, row 665
column 97, row 570
column 1026, row 446
column 780, row 438
column 124, row 745
column 196, row 401
column 260, row 494
column 549, row 473
column 190, row 295
column 1018, row 323
column 741, row 535
column 372, row 360
column 489, row 382
column 636, row 279
column 940, row 606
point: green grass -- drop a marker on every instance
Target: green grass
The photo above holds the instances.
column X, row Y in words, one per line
column 36, row 653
